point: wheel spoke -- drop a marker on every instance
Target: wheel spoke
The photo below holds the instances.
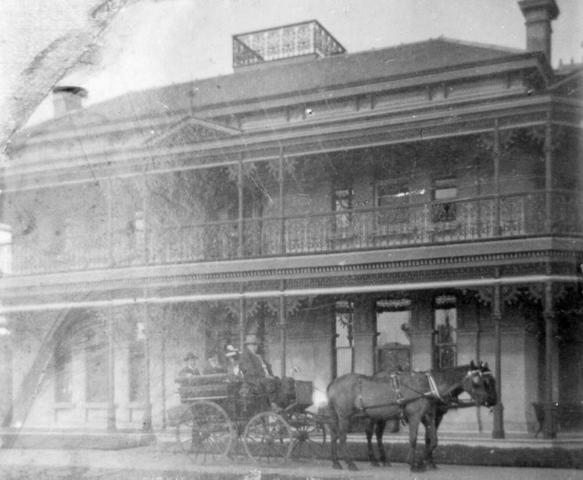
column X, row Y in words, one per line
column 268, row 438
column 309, row 435
column 205, row 430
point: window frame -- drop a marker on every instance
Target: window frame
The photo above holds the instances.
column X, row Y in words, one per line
column 63, row 366
column 137, row 371
column 400, row 205
column 344, row 307
column 96, row 347
column 444, row 209
column 347, row 211
column 446, row 303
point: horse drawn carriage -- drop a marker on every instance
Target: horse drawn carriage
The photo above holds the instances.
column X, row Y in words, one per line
column 219, row 411
column 219, row 414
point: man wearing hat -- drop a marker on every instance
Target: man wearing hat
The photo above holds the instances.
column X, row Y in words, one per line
column 190, row 369
column 252, row 364
column 257, row 372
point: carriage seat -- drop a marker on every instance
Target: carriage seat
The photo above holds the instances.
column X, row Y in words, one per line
column 209, row 386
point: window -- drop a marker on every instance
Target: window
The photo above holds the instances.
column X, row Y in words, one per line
column 63, row 372
column 392, row 200
column 342, row 205
column 137, row 371
column 444, row 195
column 344, row 324
column 393, row 342
column 445, row 328
column 96, row 368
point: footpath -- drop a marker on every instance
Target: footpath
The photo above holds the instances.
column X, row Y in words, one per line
column 149, row 463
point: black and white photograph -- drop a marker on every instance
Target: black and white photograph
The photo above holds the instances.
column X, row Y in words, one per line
column 291, row 239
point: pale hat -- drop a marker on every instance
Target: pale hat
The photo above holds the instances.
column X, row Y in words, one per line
column 251, row 339
column 231, row 351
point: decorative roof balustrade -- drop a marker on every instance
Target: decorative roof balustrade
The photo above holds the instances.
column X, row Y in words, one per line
column 288, row 41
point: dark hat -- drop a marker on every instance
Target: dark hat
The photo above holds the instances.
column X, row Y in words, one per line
column 190, row 356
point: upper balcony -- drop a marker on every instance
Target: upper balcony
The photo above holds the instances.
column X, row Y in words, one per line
column 285, row 42
column 439, row 192
column 480, row 219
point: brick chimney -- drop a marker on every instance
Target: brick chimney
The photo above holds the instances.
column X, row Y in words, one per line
column 67, row 99
column 538, row 15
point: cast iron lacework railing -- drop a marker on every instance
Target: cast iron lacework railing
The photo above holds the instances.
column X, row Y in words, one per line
column 288, row 41
column 521, row 215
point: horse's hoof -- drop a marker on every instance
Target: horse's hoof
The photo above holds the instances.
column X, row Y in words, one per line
column 418, row 468
column 386, row 464
column 352, row 467
column 431, row 466
column 374, row 463
column 336, row 466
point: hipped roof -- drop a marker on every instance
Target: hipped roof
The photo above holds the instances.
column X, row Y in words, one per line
column 273, row 80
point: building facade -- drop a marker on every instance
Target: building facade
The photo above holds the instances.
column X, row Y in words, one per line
column 413, row 207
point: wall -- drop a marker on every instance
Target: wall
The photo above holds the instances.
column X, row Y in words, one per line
column 180, row 329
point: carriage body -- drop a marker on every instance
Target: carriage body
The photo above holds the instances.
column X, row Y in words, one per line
column 217, row 411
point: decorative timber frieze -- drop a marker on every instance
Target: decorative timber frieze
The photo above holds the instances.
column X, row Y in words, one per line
column 193, row 141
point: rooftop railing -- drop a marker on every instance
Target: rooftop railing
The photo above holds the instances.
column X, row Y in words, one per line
column 288, row 41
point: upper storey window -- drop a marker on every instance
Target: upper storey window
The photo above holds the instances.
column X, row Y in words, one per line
column 393, row 200
column 444, row 194
column 342, row 204
column 279, row 43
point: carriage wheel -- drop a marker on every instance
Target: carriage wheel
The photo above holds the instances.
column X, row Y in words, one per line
column 205, row 431
column 309, row 436
column 268, row 438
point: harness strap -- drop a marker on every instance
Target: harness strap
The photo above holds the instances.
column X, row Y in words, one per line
column 433, row 386
column 359, row 399
column 397, row 387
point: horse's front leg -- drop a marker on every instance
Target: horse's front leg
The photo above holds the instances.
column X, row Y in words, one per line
column 370, row 424
column 414, row 421
column 380, row 429
column 429, row 422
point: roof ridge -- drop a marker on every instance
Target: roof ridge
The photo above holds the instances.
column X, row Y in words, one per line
column 490, row 46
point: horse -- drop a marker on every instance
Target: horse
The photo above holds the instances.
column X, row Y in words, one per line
column 413, row 395
column 448, row 402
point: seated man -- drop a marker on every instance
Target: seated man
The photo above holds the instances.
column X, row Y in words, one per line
column 214, row 365
column 190, row 368
column 257, row 372
column 186, row 376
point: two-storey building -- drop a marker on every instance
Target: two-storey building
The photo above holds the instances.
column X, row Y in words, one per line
column 417, row 206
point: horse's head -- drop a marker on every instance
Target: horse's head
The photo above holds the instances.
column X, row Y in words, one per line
column 480, row 383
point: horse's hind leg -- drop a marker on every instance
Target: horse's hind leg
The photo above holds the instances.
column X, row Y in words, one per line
column 370, row 426
column 334, row 439
column 380, row 429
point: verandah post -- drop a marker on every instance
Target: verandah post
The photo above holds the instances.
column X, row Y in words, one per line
column 498, row 427
column 549, row 316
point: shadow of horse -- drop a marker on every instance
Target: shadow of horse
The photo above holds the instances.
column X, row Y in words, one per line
column 417, row 397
